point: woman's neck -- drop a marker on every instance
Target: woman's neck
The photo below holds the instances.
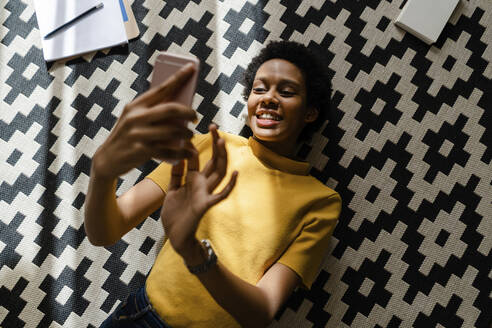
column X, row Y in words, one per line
column 285, row 149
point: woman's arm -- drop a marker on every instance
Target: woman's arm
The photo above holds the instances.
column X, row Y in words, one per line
column 108, row 218
column 251, row 306
column 146, row 129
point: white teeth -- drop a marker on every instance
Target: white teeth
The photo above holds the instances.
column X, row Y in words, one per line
column 267, row 116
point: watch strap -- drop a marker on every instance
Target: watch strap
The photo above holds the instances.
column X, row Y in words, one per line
column 211, row 259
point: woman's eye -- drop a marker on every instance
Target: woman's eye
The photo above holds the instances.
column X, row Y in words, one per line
column 286, row 93
column 259, row 89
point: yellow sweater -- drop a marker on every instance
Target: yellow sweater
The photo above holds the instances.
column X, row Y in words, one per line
column 275, row 213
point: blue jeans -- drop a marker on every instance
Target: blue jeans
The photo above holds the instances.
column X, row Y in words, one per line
column 136, row 311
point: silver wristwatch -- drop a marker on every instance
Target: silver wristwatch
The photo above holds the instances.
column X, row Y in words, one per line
column 211, row 259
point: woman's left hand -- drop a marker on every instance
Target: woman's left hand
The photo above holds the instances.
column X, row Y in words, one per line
column 185, row 204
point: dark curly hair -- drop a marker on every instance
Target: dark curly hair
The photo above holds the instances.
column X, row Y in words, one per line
column 316, row 75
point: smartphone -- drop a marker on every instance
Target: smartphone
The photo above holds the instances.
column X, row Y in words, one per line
column 166, row 64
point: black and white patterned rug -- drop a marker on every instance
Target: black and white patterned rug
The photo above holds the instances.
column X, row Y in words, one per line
column 408, row 146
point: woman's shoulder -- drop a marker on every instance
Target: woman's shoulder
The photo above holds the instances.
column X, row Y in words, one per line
column 204, row 141
column 222, row 134
column 315, row 186
column 229, row 137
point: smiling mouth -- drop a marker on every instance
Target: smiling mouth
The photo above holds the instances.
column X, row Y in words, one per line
column 269, row 117
column 268, row 120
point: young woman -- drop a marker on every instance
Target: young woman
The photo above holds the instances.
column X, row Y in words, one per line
column 244, row 222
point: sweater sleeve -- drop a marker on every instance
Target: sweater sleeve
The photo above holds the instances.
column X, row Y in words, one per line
column 161, row 175
column 306, row 253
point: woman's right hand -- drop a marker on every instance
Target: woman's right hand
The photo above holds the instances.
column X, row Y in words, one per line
column 151, row 126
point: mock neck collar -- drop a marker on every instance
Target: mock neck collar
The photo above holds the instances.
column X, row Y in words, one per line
column 276, row 161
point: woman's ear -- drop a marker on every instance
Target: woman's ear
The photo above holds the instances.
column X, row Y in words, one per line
column 311, row 115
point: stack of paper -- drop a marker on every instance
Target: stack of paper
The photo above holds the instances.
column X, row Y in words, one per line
column 426, row 18
column 100, row 29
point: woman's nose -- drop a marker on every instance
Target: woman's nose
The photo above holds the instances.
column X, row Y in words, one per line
column 269, row 100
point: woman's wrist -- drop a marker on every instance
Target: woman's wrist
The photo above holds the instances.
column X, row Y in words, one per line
column 98, row 167
column 193, row 253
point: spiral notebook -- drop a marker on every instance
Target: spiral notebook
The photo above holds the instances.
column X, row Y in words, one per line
column 100, row 29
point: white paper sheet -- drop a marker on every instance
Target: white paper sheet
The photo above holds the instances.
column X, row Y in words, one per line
column 100, row 29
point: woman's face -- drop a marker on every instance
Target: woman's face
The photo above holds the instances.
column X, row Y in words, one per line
column 277, row 110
